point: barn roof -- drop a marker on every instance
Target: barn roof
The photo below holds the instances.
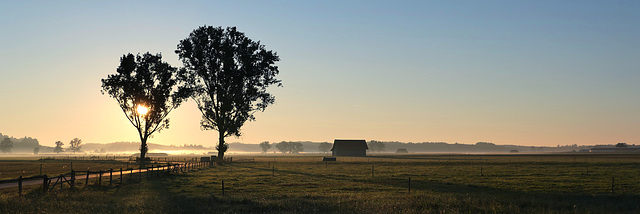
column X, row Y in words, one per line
column 349, row 145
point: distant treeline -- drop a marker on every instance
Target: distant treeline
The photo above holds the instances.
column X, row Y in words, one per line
column 27, row 145
column 22, row 145
column 430, row 147
column 480, row 147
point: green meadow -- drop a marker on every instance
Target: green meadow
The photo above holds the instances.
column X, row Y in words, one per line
column 559, row 183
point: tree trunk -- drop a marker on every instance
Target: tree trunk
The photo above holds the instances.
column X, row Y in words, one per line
column 143, row 152
column 221, row 148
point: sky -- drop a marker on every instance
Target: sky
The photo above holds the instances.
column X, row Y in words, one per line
column 540, row 73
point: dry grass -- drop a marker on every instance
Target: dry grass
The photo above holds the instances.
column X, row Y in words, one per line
column 439, row 184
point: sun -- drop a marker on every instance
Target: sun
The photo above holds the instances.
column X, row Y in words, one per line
column 142, row 110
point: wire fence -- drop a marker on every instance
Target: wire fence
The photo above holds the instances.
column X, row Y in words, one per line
column 74, row 179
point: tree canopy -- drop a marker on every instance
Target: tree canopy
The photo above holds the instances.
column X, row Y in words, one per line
column 6, row 145
column 75, row 145
column 147, row 90
column 324, row 147
column 228, row 74
column 376, row 146
column 289, row 147
column 58, row 147
column 264, row 146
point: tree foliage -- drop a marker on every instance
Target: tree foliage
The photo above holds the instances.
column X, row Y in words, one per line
column 265, row 146
column 58, row 147
column 75, row 145
column 147, row 90
column 290, row 147
column 229, row 75
column 376, row 146
column 622, row 145
column 6, row 145
column 324, row 147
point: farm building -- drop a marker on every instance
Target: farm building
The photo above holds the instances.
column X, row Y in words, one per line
column 402, row 151
column 349, row 148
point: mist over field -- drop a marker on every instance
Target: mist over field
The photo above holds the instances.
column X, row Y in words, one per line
column 26, row 145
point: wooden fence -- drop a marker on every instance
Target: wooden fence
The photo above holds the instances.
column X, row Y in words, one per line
column 70, row 179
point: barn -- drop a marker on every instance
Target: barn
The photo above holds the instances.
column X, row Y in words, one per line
column 349, row 148
column 402, row 151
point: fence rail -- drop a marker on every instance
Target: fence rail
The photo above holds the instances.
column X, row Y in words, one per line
column 71, row 177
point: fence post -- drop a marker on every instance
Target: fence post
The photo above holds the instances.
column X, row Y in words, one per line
column 120, row 175
column 110, row 177
column 587, row 169
column 45, row 183
column 613, row 179
column 73, row 179
column 100, row 178
column 20, row 186
column 87, row 180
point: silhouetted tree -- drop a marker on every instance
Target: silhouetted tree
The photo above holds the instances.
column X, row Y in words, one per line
column 376, row 146
column 75, row 145
column 147, row 90
column 283, row 147
column 621, row 145
column 6, row 145
column 58, row 147
column 36, row 150
column 265, row 146
column 290, row 147
column 296, row 147
column 324, row 147
column 229, row 74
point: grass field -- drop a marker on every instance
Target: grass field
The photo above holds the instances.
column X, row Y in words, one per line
column 439, row 184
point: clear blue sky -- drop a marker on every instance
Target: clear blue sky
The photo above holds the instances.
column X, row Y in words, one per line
column 507, row 72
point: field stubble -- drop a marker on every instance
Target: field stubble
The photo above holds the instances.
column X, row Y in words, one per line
column 439, row 183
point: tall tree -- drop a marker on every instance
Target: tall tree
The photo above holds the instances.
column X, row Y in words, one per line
column 6, row 145
column 147, row 90
column 296, row 147
column 58, row 147
column 265, row 146
column 376, row 146
column 290, row 147
column 229, row 75
column 284, row 147
column 324, row 147
column 75, row 145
